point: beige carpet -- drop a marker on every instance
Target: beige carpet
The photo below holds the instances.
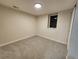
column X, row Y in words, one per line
column 34, row 48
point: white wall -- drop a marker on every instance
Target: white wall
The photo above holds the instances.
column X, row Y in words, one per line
column 59, row 34
column 15, row 25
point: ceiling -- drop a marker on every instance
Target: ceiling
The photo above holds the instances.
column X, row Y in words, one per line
column 48, row 6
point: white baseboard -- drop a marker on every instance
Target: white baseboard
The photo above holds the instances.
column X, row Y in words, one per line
column 51, row 39
column 4, row 44
column 10, row 42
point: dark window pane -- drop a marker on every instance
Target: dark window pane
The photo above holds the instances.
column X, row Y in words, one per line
column 53, row 21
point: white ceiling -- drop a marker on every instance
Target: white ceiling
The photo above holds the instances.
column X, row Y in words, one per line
column 48, row 6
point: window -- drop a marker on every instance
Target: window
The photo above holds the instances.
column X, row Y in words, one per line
column 53, row 21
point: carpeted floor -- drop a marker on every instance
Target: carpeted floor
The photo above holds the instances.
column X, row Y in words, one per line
column 34, row 48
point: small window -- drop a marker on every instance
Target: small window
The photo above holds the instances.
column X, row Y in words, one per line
column 53, row 21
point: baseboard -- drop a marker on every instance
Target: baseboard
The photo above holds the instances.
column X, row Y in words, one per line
column 4, row 44
column 51, row 39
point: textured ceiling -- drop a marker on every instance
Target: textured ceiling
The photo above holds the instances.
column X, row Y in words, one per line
column 48, row 6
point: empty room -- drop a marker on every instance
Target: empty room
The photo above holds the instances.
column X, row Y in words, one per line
column 38, row 29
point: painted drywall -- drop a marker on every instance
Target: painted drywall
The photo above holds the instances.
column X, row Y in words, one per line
column 73, row 38
column 59, row 34
column 15, row 25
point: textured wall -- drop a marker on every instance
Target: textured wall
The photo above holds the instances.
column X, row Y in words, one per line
column 15, row 25
column 59, row 34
